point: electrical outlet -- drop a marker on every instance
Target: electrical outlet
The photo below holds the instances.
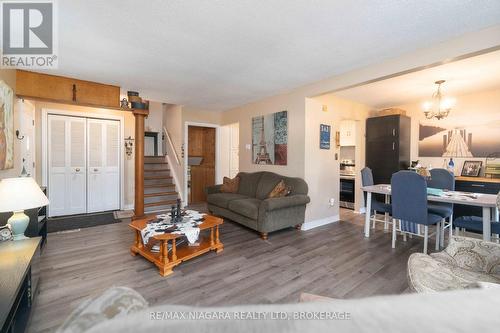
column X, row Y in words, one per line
column 332, row 202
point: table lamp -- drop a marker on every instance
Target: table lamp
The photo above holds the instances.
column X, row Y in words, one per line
column 16, row 195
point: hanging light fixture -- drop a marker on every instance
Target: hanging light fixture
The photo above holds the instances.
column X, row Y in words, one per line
column 439, row 107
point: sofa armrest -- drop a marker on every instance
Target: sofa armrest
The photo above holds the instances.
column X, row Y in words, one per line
column 285, row 202
column 481, row 256
column 213, row 189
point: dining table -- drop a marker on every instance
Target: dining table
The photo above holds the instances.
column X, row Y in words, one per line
column 488, row 203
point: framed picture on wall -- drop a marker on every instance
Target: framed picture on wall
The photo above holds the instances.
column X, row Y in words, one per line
column 471, row 168
column 324, row 136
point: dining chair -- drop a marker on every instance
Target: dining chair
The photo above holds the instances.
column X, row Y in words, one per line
column 475, row 223
column 377, row 206
column 444, row 180
column 409, row 207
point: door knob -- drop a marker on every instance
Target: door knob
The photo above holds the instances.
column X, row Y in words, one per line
column 77, row 169
column 95, row 170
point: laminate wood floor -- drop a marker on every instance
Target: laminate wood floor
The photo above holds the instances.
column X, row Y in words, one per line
column 334, row 260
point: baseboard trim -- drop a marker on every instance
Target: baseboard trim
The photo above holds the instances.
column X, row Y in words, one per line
column 362, row 210
column 128, row 207
column 320, row 222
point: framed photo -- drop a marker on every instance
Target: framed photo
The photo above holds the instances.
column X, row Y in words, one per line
column 324, row 136
column 471, row 168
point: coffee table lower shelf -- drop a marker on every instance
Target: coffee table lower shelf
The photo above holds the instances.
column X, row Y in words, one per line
column 166, row 260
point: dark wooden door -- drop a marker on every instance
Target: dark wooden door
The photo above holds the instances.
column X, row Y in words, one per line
column 201, row 143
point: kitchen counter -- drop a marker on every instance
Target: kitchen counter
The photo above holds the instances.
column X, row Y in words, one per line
column 478, row 179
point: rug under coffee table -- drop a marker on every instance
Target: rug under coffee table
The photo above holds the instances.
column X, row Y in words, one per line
column 166, row 260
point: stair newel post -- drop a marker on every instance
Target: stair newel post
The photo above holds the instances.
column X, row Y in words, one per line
column 139, row 116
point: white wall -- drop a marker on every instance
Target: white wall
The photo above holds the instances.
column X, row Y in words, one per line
column 154, row 123
column 470, row 109
column 321, row 167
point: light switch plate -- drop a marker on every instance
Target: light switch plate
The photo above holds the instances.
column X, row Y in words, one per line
column 248, row 146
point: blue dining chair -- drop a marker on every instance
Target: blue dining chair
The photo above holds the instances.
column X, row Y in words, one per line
column 409, row 207
column 475, row 223
column 444, row 180
column 377, row 206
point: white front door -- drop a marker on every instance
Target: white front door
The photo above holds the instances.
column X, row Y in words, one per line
column 67, row 165
column 103, row 182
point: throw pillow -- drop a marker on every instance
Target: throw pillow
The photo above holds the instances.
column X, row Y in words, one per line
column 280, row 190
column 230, row 185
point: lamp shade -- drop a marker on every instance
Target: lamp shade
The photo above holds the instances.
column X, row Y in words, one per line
column 21, row 193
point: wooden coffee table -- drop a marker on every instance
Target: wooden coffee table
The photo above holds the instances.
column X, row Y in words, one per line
column 208, row 240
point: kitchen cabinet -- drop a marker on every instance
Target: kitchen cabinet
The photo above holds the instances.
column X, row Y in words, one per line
column 387, row 146
column 475, row 185
column 347, row 133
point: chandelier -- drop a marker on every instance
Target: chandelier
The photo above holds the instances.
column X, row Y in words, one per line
column 439, row 107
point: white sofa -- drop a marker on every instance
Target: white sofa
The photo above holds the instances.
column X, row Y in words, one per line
column 125, row 311
column 463, row 264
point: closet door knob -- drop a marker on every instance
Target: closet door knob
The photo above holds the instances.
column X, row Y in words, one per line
column 95, row 170
column 77, row 169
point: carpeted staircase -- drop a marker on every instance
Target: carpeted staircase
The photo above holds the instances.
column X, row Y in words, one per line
column 159, row 187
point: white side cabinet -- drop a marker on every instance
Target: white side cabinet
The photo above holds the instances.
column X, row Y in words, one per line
column 348, row 133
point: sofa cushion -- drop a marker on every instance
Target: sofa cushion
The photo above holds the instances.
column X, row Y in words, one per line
column 280, row 190
column 267, row 183
column 116, row 302
column 249, row 183
column 246, row 207
column 455, row 311
column 223, row 199
column 429, row 274
column 230, row 185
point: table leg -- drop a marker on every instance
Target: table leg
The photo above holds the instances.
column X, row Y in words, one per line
column 367, row 213
column 174, row 250
column 386, row 215
column 218, row 244
column 212, row 236
column 164, row 251
column 137, row 243
column 486, row 224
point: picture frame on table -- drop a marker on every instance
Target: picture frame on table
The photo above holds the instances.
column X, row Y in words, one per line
column 471, row 168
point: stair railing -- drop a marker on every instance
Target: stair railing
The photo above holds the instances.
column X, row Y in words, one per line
column 172, row 147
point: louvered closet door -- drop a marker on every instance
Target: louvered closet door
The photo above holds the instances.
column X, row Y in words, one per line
column 103, row 165
column 67, row 165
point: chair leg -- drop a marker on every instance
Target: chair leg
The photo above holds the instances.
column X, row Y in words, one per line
column 426, row 237
column 386, row 221
column 438, row 234
column 404, row 236
column 374, row 217
column 393, row 233
column 457, row 231
column 451, row 229
column 441, row 238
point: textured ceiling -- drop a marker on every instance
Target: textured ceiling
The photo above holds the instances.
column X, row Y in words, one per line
column 223, row 53
column 462, row 77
